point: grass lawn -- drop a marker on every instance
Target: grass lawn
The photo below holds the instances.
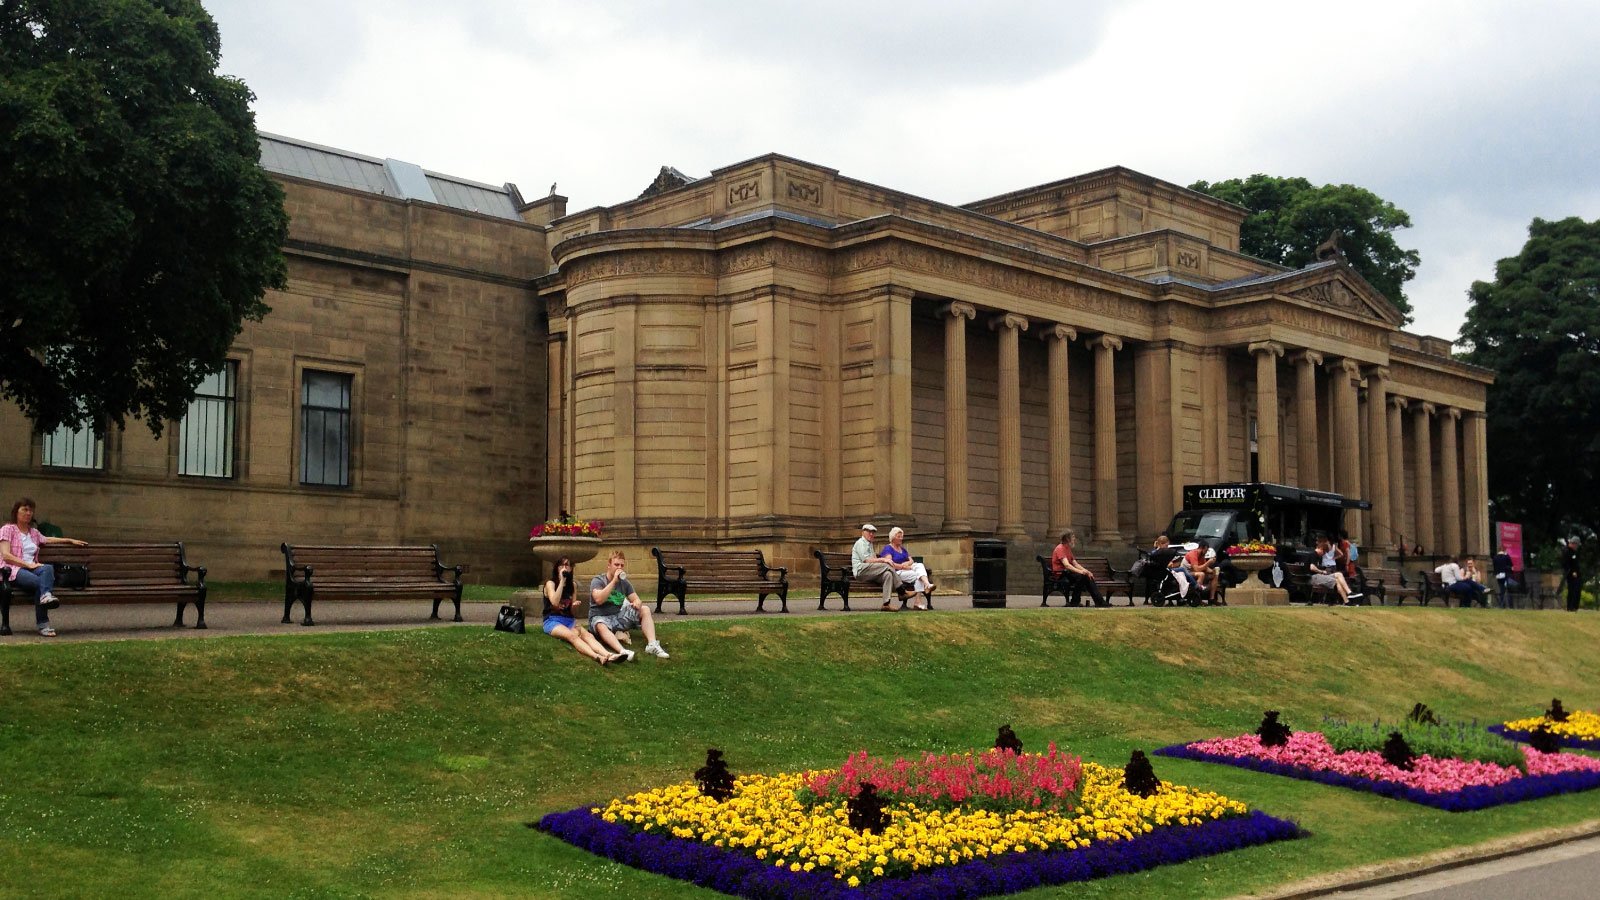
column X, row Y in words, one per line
column 406, row 763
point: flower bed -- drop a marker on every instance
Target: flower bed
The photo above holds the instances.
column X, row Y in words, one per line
column 1450, row 784
column 1580, row 729
column 1049, row 820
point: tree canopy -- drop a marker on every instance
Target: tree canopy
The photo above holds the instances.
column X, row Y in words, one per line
column 1537, row 325
column 1289, row 217
column 137, row 229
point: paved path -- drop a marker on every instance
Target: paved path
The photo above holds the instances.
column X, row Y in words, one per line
column 224, row 617
column 1565, row 871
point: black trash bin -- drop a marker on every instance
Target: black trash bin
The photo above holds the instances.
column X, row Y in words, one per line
column 989, row 574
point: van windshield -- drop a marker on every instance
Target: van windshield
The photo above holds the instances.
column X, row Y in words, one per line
column 1198, row 525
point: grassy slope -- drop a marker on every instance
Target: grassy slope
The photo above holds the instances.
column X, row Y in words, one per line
column 404, row 763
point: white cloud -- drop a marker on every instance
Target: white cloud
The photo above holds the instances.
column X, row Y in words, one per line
column 1473, row 119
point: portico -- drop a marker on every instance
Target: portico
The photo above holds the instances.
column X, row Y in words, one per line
column 775, row 353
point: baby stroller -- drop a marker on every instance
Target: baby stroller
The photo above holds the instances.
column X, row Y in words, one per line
column 1161, row 585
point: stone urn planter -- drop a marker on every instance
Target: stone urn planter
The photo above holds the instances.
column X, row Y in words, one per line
column 1255, row 592
column 551, row 547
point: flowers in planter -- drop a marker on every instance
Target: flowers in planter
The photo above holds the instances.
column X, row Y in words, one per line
column 1251, row 548
column 963, row 824
column 1572, row 728
column 567, row 527
column 1443, row 766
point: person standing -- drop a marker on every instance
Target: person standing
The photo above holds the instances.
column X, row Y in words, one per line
column 19, row 546
column 866, row 564
column 1502, row 576
column 1570, row 574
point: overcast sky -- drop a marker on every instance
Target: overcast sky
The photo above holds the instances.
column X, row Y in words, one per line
column 1474, row 118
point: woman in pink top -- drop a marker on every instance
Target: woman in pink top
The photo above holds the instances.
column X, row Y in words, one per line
column 19, row 545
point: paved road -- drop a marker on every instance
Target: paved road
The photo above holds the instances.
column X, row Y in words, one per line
column 1565, row 871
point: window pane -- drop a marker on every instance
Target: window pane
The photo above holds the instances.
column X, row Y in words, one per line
column 325, row 428
column 74, row 448
column 205, row 436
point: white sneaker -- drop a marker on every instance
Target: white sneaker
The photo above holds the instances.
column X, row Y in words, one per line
column 654, row 648
column 627, row 655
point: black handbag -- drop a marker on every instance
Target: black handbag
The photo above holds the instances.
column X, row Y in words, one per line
column 510, row 619
column 72, row 575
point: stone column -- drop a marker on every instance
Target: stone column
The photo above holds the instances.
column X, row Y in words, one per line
column 1449, row 483
column 1346, row 433
column 1380, row 530
column 1422, row 436
column 957, row 315
column 1105, row 440
column 1009, row 327
column 1268, row 454
column 1305, row 411
column 1477, row 485
column 1057, row 337
column 1401, row 528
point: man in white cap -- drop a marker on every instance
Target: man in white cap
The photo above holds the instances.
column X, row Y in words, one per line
column 868, row 565
column 1201, row 561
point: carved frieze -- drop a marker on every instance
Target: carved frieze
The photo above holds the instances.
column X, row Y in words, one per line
column 744, row 191
column 1189, row 259
column 644, row 262
column 1405, row 376
column 768, row 254
column 802, row 190
column 1021, row 283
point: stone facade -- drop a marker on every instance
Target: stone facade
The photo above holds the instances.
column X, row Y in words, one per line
column 429, row 311
column 773, row 354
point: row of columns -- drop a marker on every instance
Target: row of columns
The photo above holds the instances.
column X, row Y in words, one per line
column 1385, row 450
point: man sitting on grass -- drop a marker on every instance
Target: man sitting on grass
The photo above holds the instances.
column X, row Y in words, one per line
column 616, row 608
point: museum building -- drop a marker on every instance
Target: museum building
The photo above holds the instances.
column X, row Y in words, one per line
column 767, row 357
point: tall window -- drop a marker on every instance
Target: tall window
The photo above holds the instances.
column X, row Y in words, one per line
column 74, row 448
column 205, row 436
column 325, row 428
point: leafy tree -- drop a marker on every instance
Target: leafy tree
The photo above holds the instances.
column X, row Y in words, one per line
column 1537, row 325
column 1289, row 217
column 137, row 229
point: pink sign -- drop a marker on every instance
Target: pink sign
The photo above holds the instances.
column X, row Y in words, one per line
column 1509, row 535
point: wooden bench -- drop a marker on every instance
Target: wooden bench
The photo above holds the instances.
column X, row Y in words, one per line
column 368, row 573
column 1432, row 586
column 1390, row 583
column 1297, row 581
column 124, row 573
column 835, row 570
column 1107, row 579
column 682, row 571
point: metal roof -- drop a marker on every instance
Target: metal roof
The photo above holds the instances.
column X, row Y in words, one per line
column 388, row 177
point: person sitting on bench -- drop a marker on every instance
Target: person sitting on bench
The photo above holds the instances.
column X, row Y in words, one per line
column 908, row 570
column 1064, row 564
column 866, row 564
column 19, row 546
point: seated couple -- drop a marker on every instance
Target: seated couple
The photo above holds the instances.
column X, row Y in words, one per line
column 891, row 567
column 614, row 610
column 1464, row 582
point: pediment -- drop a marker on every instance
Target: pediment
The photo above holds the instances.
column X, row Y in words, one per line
column 1344, row 290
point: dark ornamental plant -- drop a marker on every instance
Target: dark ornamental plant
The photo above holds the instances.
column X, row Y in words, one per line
column 1272, row 732
column 1140, row 777
column 1008, row 740
column 1544, row 740
column 714, row 778
column 1555, row 713
column 866, row 810
column 1398, row 753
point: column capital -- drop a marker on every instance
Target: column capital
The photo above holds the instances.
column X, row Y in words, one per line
column 1426, row 409
column 1009, row 320
column 955, row 309
column 1378, row 372
column 1059, row 332
column 1451, row 412
column 1307, row 356
column 1474, row 414
column 1350, row 367
column 1265, row 347
column 1398, row 402
column 1108, row 341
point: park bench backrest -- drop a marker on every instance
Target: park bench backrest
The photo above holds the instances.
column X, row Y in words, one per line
column 122, row 565
column 371, row 564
